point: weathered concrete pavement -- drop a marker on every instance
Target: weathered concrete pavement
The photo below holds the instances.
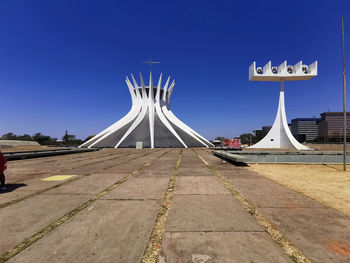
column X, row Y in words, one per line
column 107, row 211
column 321, row 233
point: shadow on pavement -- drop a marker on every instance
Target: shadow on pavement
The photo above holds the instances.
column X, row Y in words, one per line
column 233, row 162
column 11, row 187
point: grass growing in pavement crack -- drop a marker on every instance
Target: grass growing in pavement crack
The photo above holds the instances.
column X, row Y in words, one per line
column 154, row 244
column 293, row 252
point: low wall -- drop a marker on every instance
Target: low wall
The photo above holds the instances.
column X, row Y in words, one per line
column 311, row 157
column 12, row 156
column 16, row 143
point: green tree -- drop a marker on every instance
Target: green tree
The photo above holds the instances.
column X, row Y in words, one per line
column 89, row 137
column 9, row 136
column 43, row 139
column 71, row 140
column 68, row 137
column 25, row 137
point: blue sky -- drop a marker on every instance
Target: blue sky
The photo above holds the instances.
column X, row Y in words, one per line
column 63, row 63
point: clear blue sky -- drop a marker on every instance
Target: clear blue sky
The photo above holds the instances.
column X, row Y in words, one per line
column 63, row 63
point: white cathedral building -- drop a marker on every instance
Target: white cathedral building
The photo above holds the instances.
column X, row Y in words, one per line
column 150, row 121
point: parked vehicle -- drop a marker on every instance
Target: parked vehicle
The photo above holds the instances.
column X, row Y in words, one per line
column 232, row 144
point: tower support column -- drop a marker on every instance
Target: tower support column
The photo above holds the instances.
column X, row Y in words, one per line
column 280, row 135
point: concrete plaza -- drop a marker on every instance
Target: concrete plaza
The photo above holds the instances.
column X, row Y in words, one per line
column 174, row 205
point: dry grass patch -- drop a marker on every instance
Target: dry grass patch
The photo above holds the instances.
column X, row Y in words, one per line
column 327, row 184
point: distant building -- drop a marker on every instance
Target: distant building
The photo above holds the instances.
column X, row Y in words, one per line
column 305, row 129
column 265, row 130
column 216, row 143
column 258, row 133
column 330, row 128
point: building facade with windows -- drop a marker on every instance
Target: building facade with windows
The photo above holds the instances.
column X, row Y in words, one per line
column 330, row 128
column 305, row 129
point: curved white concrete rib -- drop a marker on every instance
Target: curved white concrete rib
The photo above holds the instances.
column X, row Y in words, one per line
column 157, row 97
column 151, row 109
column 173, row 119
column 280, row 135
column 129, row 117
column 170, row 91
column 122, row 122
column 171, row 116
column 161, row 115
column 165, row 89
column 140, row 116
column 96, row 136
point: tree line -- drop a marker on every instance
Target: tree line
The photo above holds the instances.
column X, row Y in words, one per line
column 67, row 139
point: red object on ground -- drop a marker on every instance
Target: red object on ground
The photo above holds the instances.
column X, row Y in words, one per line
column 3, row 162
column 233, row 144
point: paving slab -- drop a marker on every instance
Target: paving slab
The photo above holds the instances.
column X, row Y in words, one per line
column 221, row 247
column 17, row 175
column 92, row 184
column 97, row 164
column 37, row 184
column 140, row 188
column 164, row 167
column 159, row 166
column 209, row 213
column 13, row 195
column 108, row 231
column 322, row 234
column 125, row 167
column 25, row 188
column 27, row 169
column 219, row 163
column 151, row 173
column 199, row 185
column 234, row 174
column 194, row 171
column 101, row 167
column 172, row 155
column 190, row 162
column 196, row 162
column 266, row 193
column 169, row 158
column 24, row 219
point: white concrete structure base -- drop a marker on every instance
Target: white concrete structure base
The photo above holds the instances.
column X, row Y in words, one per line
column 280, row 135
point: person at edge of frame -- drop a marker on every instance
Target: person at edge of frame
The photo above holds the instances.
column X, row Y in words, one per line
column 3, row 167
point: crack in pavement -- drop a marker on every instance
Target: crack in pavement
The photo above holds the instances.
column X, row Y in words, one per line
column 153, row 247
